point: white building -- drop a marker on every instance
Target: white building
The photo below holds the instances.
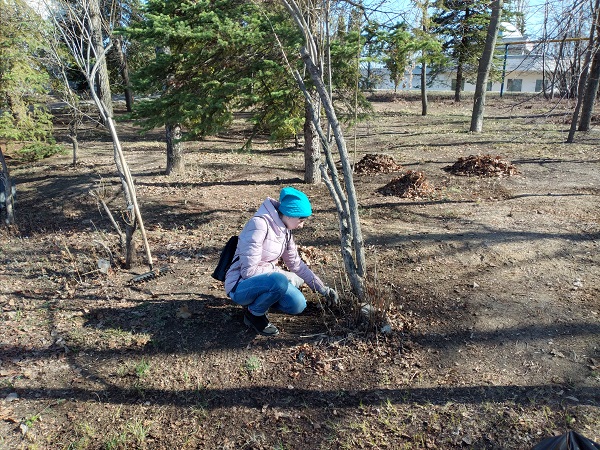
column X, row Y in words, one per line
column 521, row 66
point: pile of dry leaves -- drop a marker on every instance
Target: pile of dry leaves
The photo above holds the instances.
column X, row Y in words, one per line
column 412, row 184
column 373, row 163
column 483, row 166
column 311, row 255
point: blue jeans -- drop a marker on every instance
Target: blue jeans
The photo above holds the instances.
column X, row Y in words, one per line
column 270, row 290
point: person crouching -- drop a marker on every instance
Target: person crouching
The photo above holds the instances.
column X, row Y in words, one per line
column 255, row 281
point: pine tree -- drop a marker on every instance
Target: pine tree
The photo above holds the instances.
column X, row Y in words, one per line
column 400, row 45
column 216, row 57
column 24, row 81
column 462, row 24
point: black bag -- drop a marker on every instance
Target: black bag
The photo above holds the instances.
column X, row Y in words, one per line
column 226, row 259
column 569, row 441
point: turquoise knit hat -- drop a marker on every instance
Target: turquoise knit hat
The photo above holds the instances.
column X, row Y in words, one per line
column 294, row 203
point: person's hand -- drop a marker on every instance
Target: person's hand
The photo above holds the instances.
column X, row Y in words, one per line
column 332, row 297
column 295, row 279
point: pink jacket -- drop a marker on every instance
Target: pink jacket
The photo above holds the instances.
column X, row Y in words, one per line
column 261, row 243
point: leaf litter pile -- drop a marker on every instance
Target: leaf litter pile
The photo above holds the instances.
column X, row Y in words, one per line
column 373, row 163
column 413, row 184
column 483, row 166
column 311, row 255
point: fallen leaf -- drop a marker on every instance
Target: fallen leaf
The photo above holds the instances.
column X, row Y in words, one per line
column 6, row 415
column 183, row 313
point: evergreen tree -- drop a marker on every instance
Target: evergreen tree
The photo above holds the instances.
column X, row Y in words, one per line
column 124, row 55
column 217, row 56
column 430, row 51
column 346, row 47
column 24, row 81
column 399, row 48
column 373, row 36
column 462, row 24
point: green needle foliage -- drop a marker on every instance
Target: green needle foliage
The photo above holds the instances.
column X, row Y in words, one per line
column 24, row 81
column 400, row 47
column 217, row 57
column 214, row 57
column 462, row 27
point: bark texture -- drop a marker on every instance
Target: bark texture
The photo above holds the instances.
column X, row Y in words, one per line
column 483, row 70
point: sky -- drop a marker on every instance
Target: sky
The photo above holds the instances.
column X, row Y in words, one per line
column 393, row 11
column 398, row 10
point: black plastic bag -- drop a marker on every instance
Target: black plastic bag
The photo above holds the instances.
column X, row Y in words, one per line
column 569, row 441
column 225, row 259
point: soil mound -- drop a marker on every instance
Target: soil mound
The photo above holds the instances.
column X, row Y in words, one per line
column 412, row 184
column 373, row 163
column 482, row 166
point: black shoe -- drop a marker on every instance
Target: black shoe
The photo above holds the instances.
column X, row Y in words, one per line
column 261, row 324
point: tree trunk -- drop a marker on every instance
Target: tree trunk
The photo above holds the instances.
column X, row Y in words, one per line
column 577, row 69
column 555, row 81
column 312, row 148
column 589, row 96
column 133, row 213
column 124, row 71
column 461, row 58
column 346, row 202
column 130, row 250
column 7, row 192
column 425, row 27
column 73, row 132
column 175, row 163
column 583, row 78
column 544, row 49
column 459, row 78
column 483, row 70
column 591, row 90
column 352, row 243
column 103, row 79
column 424, row 102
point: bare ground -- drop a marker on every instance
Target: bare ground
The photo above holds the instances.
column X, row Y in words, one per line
column 492, row 285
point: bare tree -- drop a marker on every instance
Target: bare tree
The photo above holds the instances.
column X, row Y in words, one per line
column 485, row 63
column 74, row 23
column 124, row 71
column 583, row 78
column 315, row 17
column 312, row 145
column 97, row 40
column 591, row 89
column 425, row 26
column 346, row 202
column 563, row 27
column 66, row 93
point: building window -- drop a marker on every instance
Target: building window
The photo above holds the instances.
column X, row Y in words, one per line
column 514, row 85
column 489, row 86
column 462, row 85
column 538, row 85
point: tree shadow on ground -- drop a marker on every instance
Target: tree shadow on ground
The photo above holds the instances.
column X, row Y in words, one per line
column 214, row 324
